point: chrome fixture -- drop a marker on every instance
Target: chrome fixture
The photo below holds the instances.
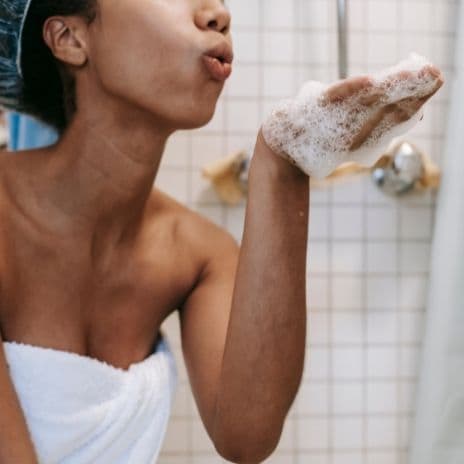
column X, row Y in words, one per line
column 404, row 169
column 342, row 38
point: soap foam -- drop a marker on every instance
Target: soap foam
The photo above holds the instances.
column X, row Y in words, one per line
column 316, row 135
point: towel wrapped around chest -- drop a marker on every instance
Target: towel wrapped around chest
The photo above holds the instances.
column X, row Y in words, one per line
column 80, row 410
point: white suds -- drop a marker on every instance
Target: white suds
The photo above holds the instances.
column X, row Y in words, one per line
column 316, row 135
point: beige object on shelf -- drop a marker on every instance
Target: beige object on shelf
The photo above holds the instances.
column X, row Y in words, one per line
column 224, row 174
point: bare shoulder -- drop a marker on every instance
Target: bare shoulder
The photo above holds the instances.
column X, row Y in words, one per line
column 205, row 239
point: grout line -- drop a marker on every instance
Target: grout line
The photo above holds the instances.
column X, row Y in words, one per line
column 364, row 308
column 398, row 210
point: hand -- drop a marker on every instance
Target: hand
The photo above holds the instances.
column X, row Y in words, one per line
column 351, row 120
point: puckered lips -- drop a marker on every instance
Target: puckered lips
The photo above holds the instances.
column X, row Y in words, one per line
column 218, row 61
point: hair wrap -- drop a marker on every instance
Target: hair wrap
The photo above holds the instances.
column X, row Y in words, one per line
column 12, row 18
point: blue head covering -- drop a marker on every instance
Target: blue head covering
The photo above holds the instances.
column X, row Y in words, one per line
column 25, row 132
column 12, row 18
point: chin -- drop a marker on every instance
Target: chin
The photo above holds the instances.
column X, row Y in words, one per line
column 195, row 120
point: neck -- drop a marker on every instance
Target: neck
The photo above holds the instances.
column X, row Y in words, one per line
column 101, row 173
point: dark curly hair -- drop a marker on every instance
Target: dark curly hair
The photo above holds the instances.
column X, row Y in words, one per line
column 49, row 89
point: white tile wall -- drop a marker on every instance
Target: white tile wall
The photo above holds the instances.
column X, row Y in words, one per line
column 368, row 256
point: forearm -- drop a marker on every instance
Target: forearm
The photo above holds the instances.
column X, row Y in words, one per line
column 264, row 353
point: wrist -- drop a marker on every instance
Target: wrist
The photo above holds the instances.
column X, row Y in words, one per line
column 265, row 159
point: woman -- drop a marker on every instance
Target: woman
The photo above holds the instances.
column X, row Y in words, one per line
column 94, row 258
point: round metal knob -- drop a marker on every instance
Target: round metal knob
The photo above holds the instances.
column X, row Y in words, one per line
column 401, row 174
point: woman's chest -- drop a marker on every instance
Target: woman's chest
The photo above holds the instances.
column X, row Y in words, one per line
column 52, row 296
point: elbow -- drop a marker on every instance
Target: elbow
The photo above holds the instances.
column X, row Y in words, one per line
column 247, row 456
column 250, row 450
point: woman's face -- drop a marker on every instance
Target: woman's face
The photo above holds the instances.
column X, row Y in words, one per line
column 151, row 54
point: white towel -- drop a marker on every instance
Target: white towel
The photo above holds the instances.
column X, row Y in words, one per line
column 80, row 410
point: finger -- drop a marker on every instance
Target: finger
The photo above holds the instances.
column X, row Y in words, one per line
column 372, row 97
column 432, row 71
column 438, row 85
column 393, row 79
column 369, row 126
column 346, row 88
column 413, row 104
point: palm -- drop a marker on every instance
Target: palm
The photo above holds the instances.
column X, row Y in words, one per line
column 373, row 98
column 351, row 120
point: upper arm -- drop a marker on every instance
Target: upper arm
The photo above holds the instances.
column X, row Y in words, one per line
column 15, row 441
column 205, row 316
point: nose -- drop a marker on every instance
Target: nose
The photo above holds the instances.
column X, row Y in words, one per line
column 215, row 16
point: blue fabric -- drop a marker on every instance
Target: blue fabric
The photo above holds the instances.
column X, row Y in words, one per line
column 13, row 15
column 27, row 133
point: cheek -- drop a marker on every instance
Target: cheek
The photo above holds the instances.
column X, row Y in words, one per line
column 166, row 79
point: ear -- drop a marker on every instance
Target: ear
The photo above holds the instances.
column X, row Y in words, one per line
column 66, row 38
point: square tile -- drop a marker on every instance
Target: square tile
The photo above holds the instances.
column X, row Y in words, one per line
column 416, row 16
column 313, row 398
column 382, row 397
column 345, row 457
column 317, row 292
column 382, row 327
column 413, row 292
column 316, row 363
column 279, row 81
column 347, row 293
column 416, row 223
column 312, row 433
column 246, row 46
column 245, row 81
column 278, row 14
column 384, row 457
column 382, row 363
column 317, row 256
column 406, row 424
column 347, row 327
column 349, row 190
column 412, row 325
column 348, row 433
column 313, row 15
column 382, row 432
column 318, row 223
column 386, row 42
column 173, row 181
column 347, row 363
column 347, row 257
column 313, row 47
column 347, row 398
column 347, row 222
column 242, row 116
column 279, row 47
column 206, row 149
column 201, row 442
column 317, row 457
column 407, row 396
column 382, row 15
column 244, row 14
column 318, row 327
column 382, row 257
column 415, row 257
column 381, row 292
column 410, row 361
column 177, row 152
column 177, row 436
